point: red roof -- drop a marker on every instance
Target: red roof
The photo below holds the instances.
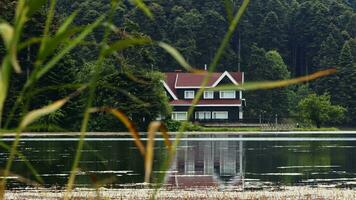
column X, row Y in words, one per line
column 202, row 102
column 176, row 80
column 194, row 80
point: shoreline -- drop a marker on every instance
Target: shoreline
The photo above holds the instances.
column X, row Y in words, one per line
column 288, row 192
column 93, row 134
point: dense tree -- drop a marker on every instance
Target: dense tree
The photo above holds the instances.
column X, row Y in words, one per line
column 328, row 57
column 309, row 36
column 310, row 26
column 346, row 86
column 281, row 96
column 268, row 66
column 318, row 110
column 271, row 32
column 136, row 92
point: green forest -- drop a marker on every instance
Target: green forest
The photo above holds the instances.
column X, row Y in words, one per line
column 275, row 40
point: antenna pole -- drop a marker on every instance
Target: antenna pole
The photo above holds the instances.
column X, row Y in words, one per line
column 239, row 52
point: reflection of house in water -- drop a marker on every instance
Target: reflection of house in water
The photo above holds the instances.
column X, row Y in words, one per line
column 207, row 163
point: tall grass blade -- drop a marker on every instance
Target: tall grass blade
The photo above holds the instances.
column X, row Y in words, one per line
column 125, row 43
column 178, row 57
column 87, row 30
column 48, row 23
column 153, row 127
column 34, row 5
column 229, row 34
column 276, row 84
column 62, row 35
column 130, row 126
column 67, row 22
column 141, row 5
column 229, row 11
column 51, row 44
column 7, row 33
column 149, row 156
column 36, row 114
column 29, row 42
column 5, row 71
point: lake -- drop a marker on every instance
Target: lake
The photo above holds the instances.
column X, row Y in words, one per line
column 245, row 161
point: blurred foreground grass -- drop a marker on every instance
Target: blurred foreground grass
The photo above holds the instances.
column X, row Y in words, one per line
column 54, row 45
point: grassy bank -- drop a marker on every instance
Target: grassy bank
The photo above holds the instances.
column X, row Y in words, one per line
column 173, row 126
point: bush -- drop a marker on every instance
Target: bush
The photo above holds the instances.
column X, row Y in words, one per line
column 172, row 125
column 317, row 110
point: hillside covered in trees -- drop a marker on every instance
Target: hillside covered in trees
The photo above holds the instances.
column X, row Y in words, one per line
column 276, row 39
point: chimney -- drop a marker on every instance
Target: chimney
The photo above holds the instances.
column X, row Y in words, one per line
column 205, row 67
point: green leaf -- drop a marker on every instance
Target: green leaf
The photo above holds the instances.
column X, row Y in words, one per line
column 228, row 8
column 36, row 114
column 29, row 42
column 141, row 5
column 125, row 43
column 7, row 33
column 34, row 5
column 52, row 43
column 86, row 31
column 130, row 126
column 67, row 22
column 177, row 56
column 276, row 84
column 234, row 22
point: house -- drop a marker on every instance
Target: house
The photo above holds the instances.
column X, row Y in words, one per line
column 207, row 164
column 214, row 106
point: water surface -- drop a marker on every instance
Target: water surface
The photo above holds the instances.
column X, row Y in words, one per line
column 244, row 161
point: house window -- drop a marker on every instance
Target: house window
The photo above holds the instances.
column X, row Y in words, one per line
column 179, row 116
column 220, row 115
column 227, row 94
column 203, row 115
column 208, row 94
column 189, row 94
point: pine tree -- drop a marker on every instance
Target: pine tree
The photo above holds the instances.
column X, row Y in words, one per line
column 268, row 66
column 271, row 34
column 352, row 43
column 277, row 7
column 327, row 58
column 346, row 86
column 259, row 102
column 280, row 98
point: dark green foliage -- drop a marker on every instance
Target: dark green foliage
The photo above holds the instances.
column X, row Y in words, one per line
column 352, row 43
column 345, row 93
column 271, row 32
column 268, row 66
column 136, row 92
column 328, row 57
column 318, row 110
column 309, row 35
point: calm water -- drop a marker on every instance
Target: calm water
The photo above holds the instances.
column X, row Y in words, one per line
column 210, row 160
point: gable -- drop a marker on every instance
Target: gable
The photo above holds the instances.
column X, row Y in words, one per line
column 225, row 75
column 225, row 81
